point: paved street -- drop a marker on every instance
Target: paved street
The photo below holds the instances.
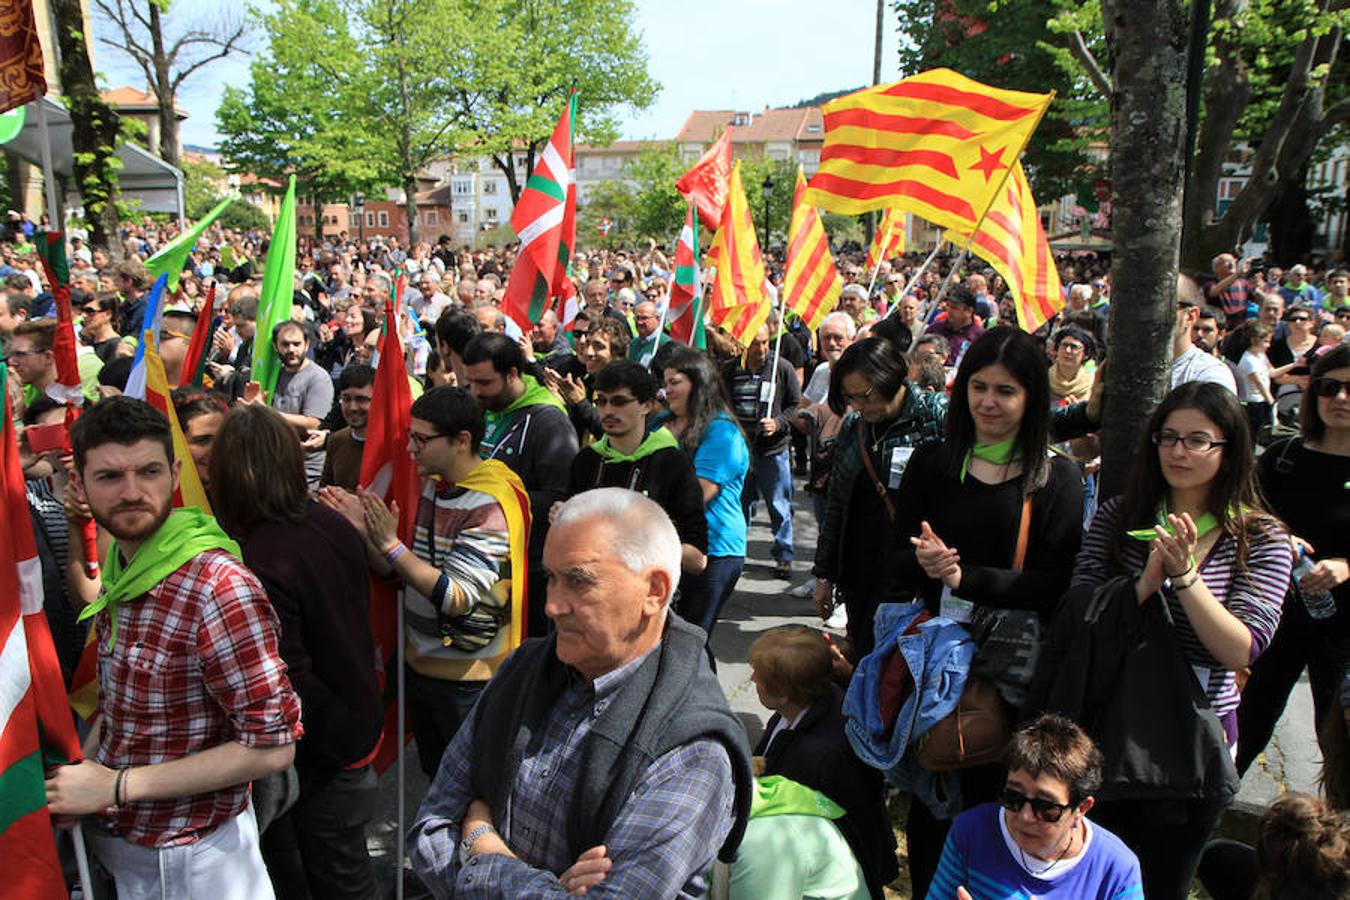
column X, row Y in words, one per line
column 761, row 602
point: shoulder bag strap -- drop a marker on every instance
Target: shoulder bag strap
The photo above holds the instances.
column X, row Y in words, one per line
column 872, row 473
column 1023, row 533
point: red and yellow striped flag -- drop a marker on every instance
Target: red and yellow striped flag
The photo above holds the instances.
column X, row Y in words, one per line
column 938, row 145
column 740, row 295
column 158, row 394
column 811, row 284
column 889, row 241
column 1013, row 241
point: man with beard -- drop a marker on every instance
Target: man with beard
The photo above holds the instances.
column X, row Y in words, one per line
column 304, row 392
column 1206, row 332
column 528, row 429
column 194, row 702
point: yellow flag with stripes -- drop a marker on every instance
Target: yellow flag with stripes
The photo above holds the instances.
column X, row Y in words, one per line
column 811, row 284
column 740, row 292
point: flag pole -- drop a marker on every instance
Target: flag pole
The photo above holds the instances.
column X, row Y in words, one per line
column 82, row 861
column 402, row 753
column 885, row 242
column 48, row 173
column 951, row 273
column 777, row 351
column 918, row 273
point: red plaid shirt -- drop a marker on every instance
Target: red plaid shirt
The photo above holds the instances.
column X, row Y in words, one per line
column 195, row 665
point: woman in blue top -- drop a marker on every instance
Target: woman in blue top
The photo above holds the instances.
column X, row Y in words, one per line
column 701, row 420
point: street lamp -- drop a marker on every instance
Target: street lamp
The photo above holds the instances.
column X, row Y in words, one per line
column 767, row 189
column 359, row 204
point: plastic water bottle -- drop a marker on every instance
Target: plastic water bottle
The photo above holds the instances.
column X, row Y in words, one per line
column 1319, row 606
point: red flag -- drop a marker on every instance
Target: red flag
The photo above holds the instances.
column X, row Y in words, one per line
column 36, row 729
column 707, row 182
column 195, row 362
column 22, row 77
column 388, row 470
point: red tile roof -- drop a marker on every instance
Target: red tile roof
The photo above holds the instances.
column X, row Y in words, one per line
column 803, row 124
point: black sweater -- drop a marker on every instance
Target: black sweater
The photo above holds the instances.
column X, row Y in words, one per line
column 666, row 477
column 980, row 520
column 315, row 574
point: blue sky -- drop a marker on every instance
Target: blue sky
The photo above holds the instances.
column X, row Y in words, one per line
column 706, row 54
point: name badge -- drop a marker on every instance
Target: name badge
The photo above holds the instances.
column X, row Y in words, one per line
column 899, row 459
column 765, row 392
column 953, row 607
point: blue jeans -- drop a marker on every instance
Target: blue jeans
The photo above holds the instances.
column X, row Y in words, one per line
column 770, row 479
column 702, row 596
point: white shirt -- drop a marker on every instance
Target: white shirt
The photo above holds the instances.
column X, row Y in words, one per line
column 1197, row 365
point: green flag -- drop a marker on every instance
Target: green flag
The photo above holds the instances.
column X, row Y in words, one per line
column 170, row 258
column 277, row 295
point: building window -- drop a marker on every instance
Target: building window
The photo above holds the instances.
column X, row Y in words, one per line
column 384, row 219
column 490, row 213
column 489, row 187
column 370, row 220
column 353, row 220
column 464, row 217
column 430, row 217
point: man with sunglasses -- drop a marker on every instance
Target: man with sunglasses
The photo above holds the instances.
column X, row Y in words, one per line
column 1037, row 840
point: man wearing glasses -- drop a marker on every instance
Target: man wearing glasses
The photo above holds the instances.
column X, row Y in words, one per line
column 647, row 321
column 342, row 464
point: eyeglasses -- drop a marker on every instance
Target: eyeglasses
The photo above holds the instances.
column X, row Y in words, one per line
column 1300, row 318
column 642, row 317
column 90, row 310
column 616, row 402
column 418, row 441
column 1196, row 443
column 14, row 353
column 1046, row 810
column 1329, row 387
column 855, row 399
column 1071, row 347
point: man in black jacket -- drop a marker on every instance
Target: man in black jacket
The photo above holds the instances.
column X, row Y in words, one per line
column 528, row 429
column 649, row 462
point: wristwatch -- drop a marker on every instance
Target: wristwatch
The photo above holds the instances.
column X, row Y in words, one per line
column 466, row 845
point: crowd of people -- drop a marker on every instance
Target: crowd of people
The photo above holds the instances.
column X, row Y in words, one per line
column 1062, row 688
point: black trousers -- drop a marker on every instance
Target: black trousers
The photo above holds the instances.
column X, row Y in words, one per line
column 1323, row 645
column 1167, row 836
column 926, row 834
column 318, row 848
column 436, row 709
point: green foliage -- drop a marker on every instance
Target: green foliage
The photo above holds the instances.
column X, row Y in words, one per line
column 659, row 209
column 843, row 229
column 202, row 187
column 784, row 174
column 497, row 236
column 242, row 215
column 613, row 200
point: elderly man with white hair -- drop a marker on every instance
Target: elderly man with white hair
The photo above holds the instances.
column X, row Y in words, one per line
column 603, row 758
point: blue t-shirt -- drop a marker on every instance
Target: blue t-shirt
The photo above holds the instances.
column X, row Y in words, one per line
column 977, row 856
column 723, row 458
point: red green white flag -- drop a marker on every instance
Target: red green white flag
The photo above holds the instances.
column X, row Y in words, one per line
column 36, row 729
column 686, row 291
column 545, row 220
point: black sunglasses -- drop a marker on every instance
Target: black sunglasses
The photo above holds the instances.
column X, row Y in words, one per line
column 1300, row 318
column 1045, row 810
column 1329, row 387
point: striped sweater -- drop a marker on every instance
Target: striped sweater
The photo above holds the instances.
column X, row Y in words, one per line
column 471, row 547
column 1254, row 596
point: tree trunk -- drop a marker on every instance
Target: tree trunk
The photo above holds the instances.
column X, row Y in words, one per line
column 95, row 132
column 1292, row 229
column 410, row 189
column 163, row 88
column 1147, row 42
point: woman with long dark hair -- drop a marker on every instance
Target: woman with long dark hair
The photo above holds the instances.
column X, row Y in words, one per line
column 1305, row 479
column 701, row 420
column 890, row 417
column 994, row 523
column 312, row 563
column 1192, row 531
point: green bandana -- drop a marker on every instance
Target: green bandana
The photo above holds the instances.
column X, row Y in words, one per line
column 186, row 533
column 659, row 439
column 1203, row 526
column 999, row 454
column 535, row 394
column 779, row 796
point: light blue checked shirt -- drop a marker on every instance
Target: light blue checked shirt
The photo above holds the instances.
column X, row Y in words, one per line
column 662, row 843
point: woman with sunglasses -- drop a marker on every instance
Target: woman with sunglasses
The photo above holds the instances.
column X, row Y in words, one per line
column 994, row 524
column 1307, row 481
column 1291, row 356
column 1036, row 841
column 1192, row 532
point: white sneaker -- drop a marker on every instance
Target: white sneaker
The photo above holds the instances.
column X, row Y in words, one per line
column 804, row 590
column 838, row 619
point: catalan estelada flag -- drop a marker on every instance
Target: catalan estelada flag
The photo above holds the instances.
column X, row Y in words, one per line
column 1013, row 241
column 938, row 145
column 545, row 220
column 740, row 296
column 811, row 284
column 36, row 730
column 889, row 241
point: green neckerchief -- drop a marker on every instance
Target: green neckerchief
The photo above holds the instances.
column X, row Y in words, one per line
column 999, row 454
column 535, row 394
column 658, row 439
column 1203, row 526
column 185, row 534
column 778, row 796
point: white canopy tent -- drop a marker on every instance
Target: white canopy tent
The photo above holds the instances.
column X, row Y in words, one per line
column 144, row 177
